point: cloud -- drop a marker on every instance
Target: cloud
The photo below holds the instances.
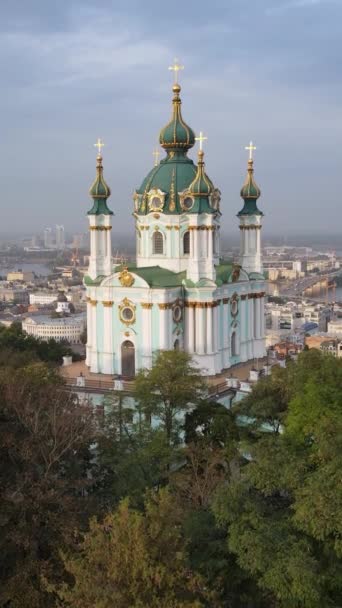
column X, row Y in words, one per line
column 297, row 4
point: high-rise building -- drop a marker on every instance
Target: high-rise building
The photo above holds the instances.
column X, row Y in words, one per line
column 179, row 294
column 60, row 237
column 48, row 241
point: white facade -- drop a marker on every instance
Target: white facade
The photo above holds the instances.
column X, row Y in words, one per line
column 335, row 328
column 42, row 298
column 179, row 294
column 44, row 327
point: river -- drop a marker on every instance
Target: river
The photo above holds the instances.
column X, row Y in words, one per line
column 40, row 270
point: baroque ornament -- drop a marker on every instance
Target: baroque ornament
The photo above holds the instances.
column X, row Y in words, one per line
column 126, row 278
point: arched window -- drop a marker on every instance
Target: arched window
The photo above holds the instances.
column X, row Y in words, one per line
column 233, row 345
column 158, row 243
column 186, row 243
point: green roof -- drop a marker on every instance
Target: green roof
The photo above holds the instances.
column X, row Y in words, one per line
column 223, row 272
column 156, row 276
column 250, row 192
column 172, row 175
column 176, row 134
column 99, row 191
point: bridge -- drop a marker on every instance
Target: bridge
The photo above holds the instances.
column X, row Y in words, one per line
column 299, row 288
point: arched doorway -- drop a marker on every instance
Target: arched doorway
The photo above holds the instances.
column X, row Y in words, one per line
column 127, row 359
column 176, row 345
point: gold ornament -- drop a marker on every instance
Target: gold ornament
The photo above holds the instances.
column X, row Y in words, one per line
column 126, row 278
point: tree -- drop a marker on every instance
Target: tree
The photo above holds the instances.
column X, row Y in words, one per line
column 133, row 560
column 211, row 421
column 169, row 389
column 45, row 460
column 283, row 513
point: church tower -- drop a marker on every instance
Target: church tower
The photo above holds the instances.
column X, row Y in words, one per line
column 100, row 262
column 176, row 208
column 250, row 221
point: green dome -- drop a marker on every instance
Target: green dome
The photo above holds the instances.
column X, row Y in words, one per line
column 175, row 185
column 167, row 188
column 99, row 191
column 250, row 192
column 250, row 189
column 177, row 135
column 202, row 186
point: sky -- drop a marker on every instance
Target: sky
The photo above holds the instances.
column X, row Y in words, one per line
column 262, row 70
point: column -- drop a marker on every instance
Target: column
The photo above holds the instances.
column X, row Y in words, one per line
column 190, row 315
column 209, row 328
column 243, row 332
column 146, row 319
column 196, row 255
column 199, row 328
column 262, row 312
column 191, row 242
column 163, row 326
column 94, row 358
column 108, row 337
column 215, row 332
column 250, row 304
column 257, row 317
column 211, row 236
column 89, row 332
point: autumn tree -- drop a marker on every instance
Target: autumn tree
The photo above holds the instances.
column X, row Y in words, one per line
column 133, row 560
column 45, row 458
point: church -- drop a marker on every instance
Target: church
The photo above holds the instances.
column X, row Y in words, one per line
column 179, row 294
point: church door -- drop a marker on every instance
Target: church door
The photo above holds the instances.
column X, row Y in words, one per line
column 127, row 359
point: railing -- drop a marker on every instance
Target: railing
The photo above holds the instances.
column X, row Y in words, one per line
column 126, row 386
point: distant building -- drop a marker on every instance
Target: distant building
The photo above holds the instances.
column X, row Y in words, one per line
column 62, row 304
column 17, row 295
column 60, row 237
column 65, row 328
column 335, row 328
column 42, row 298
column 48, row 241
column 20, row 275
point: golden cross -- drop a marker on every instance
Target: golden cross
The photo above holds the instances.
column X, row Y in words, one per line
column 176, row 67
column 201, row 139
column 251, row 149
column 99, row 144
column 156, row 154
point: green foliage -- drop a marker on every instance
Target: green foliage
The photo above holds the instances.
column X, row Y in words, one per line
column 170, row 388
column 283, row 514
column 211, row 421
column 133, row 560
column 14, row 339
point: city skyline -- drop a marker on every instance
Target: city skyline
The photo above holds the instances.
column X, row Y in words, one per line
column 75, row 73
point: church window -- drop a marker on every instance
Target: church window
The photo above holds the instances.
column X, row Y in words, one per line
column 177, row 313
column 158, row 243
column 188, row 203
column 233, row 345
column 156, row 203
column 127, row 314
column 186, row 243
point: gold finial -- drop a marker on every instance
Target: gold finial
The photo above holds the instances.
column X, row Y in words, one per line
column 156, row 154
column 176, row 67
column 201, row 139
column 99, row 144
column 251, row 149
